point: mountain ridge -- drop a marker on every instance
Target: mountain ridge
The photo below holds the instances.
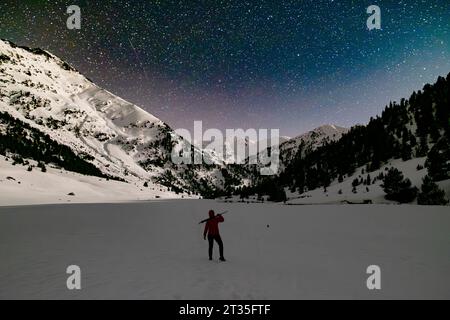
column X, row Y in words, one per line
column 120, row 138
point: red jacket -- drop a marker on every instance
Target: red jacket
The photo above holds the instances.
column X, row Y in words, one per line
column 212, row 226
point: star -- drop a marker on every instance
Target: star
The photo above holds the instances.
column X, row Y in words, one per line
column 244, row 64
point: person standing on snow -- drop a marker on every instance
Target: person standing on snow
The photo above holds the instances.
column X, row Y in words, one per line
column 212, row 230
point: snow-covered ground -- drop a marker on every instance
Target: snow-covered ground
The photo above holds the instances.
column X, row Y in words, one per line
column 20, row 187
column 155, row 250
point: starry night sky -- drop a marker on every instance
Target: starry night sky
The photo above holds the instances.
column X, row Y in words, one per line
column 287, row 64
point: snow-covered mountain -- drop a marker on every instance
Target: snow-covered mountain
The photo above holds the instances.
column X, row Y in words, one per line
column 413, row 133
column 118, row 137
column 311, row 140
column 51, row 113
column 411, row 136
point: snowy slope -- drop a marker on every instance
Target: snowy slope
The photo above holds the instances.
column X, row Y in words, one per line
column 21, row 187
column 36, row 89
column 40, row 89
column 342, row 192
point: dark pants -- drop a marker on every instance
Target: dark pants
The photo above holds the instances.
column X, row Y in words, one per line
column 211, row 243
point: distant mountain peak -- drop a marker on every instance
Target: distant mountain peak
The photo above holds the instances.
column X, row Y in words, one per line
column 311, row 140
column 324, row 131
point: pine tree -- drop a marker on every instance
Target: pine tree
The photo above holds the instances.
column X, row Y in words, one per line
column 423, row 147
column 438, row 160
column 397, row 188
column 368, row 180
column 406, row 147
column 430, row 194
column 277, row 194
